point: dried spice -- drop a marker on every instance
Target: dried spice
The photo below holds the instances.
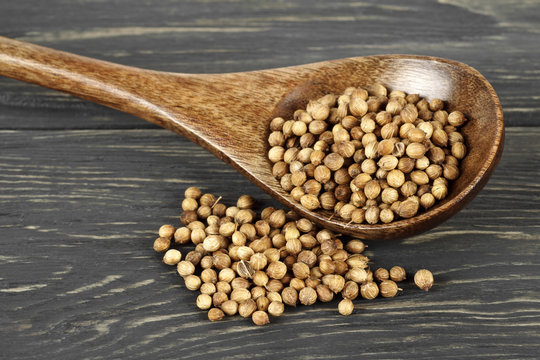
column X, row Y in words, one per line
column 254, row 266
column 342, row 151
column 423, row 279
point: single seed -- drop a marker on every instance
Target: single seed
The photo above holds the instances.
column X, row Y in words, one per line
column 381, row 274
column 185, row 268
column 247, row 307
column 229, row 307
column 345, row 307
column 289, row 296
column 260, row 318
column 204, row 301
column 193, row 192
column 350, row 290
column 245, row 270
column 215, row 314
column 423, row 279
column 355, row 246
column 369, row 290
column 388, row 288
column 397, row 273
column 192, row 282
column 307, row 296
column 276, row 308
column 166, row 231
column 172, row 257
column 162, row 244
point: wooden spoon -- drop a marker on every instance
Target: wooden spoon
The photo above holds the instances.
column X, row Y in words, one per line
column 228, row 114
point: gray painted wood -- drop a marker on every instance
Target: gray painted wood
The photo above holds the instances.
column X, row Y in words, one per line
column 83, row 188
column 499, row 38
column 79, row 278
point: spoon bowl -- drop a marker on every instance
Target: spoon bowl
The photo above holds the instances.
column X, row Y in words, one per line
column 229, row 114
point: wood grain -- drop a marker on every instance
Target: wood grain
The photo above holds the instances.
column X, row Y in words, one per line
column 83, row 188
column 228, row 114
column 79, row 276
column 498, row 38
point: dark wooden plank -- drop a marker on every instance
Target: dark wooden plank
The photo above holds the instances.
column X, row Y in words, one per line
column 78, row 277
column 499, row 38
column 79, row 209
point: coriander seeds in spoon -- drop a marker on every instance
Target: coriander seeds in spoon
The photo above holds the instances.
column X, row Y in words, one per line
column 230, row 114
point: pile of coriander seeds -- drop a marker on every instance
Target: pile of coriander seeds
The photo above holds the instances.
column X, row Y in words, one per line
column 256, row 264
column 368, row 155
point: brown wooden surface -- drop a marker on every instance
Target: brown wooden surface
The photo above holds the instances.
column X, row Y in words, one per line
column 84, row 188
column 222, row 111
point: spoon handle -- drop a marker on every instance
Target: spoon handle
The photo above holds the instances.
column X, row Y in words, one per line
column 117, row 86
column 217, row 111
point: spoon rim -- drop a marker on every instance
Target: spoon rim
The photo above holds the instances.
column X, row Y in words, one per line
column 439, row 213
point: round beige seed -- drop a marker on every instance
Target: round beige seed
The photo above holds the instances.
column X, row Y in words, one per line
column 185, row 268
column 215, row 314
column 260, row 318
column 310, row 201
column 423, row 279
column 276, row 308
column 204, row 301
column 346, row 307
column 172, row 257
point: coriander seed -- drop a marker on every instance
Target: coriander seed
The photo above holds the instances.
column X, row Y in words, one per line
column 208, row 288
column 182, row 235
column 301, row 270
column 355, row 246
column 162, row 244
column 397, row 273
column 185, row 268
column 381, row 274
column 260, row 318
column 193, row 193
column 221, row 261
column 240, row 283
column 167, row 231
column 262, row 303
column 276, row 270
column 274, row 285
column 189, row 204
column 324, row 294
column 172, row 257
column 215, row 314
column 240, row 295
column 276, row 308
column 336, row 283
column 388, row 288
column 350, row 290
column 369, row 290
column 229, row 307
column 257, row 292
column 207, row 262
column 245, row 270
column 209, row 276
column 226, row 275
column 346, row 307
column 192, row 282
column 423, row 279
column 357, row 275
column 289, row 296
column 247, row 307
column 307, row 296
column 245, row 202
column 297, row 284
column 274, row 296
column 204, row 301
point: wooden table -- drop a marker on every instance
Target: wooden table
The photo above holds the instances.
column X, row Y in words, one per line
column 84, row 188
